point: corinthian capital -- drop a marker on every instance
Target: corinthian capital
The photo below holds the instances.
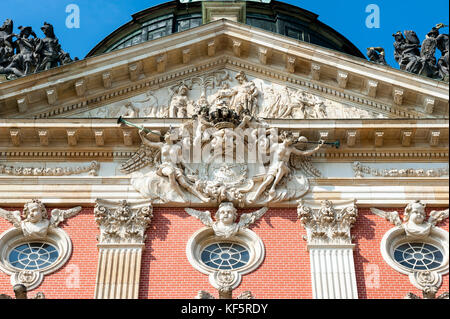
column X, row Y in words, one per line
column 327, row 223
column 122, row 222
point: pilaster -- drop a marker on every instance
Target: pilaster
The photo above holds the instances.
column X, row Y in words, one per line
column 121, row 241
column 330, row 248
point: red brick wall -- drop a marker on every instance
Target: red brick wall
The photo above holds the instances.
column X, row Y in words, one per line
column 375, row 278
column 82, row 265
column 166, row 272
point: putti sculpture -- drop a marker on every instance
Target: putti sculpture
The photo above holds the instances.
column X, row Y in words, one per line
column 225, row 225
column 414, row 220
column 35, row 222
column 203, row 160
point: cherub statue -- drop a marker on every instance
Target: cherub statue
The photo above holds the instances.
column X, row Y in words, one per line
column 34, row 221
column 414, row 220
column 279, row 164
column 225, row 225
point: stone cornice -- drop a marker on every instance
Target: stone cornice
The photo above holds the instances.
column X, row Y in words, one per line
column 84, row 191
column 104, row 139
column 121, row 73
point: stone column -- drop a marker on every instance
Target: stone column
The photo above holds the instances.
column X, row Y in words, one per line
column 330, row 248
column 122, row 234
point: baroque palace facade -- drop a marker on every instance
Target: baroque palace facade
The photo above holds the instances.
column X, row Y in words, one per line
column 222, row 150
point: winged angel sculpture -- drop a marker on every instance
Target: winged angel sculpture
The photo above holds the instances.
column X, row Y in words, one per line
column 170, row 174
column 194, row 159
column 414, row 219
column 34, row 222
column 225, row 225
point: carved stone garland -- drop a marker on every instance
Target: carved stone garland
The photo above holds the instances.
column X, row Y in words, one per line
column 360, row 170
column 121, row 241
column 91, row 169
column 330, row 247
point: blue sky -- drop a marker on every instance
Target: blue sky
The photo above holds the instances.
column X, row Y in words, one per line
column 98, row 18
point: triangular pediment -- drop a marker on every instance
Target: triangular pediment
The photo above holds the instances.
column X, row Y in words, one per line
column 292, row 80
column 270, row 99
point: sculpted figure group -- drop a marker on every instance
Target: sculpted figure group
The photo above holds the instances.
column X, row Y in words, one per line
column 24, row 53
column 418, row 58
column 180, row 162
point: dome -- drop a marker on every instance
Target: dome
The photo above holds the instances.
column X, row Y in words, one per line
column 174, row 16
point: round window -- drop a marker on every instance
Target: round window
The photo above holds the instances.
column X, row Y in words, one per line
column 418, row 256
column 33, row 256
column 225, row 256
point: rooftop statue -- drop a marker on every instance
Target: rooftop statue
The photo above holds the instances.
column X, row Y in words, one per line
column 6, row 43
column 417, row 58
column 29, row 54
column 442, row 45
column 376, row 55
column 49, row 50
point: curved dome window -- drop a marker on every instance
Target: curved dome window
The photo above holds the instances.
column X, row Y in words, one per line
column 418, row 256
column 225, row 256
column 33, row 256
column 171, row 17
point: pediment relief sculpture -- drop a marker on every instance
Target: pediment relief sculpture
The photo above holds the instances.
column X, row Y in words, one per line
column 223, row 155
column 238, row 92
